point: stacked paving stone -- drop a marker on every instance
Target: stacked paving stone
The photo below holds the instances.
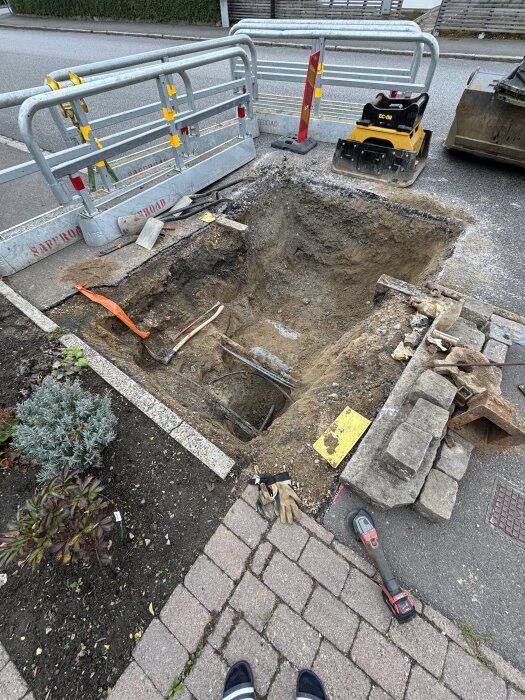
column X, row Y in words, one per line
column 285, row 597
column 413, row 454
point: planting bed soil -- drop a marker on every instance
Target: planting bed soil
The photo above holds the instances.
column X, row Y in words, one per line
column 82, row 617
column 298, row 289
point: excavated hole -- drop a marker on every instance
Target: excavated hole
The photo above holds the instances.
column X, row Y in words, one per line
column 298, row 289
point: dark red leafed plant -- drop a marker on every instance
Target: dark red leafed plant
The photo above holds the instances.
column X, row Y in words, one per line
column 67, row 518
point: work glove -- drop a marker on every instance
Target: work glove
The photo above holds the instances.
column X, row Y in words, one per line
column 277, row 489
column 286, row 502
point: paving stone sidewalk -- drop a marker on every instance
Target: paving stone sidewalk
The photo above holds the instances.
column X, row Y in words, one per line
column 288, row 597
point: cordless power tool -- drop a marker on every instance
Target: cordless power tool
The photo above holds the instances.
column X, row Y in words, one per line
column 397, row 600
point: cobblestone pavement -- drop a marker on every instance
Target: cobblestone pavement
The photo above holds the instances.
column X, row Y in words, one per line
column 286, row 597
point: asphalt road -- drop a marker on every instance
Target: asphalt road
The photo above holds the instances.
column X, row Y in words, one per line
column 463, row 568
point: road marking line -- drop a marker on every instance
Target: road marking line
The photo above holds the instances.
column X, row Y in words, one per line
column 17, row 145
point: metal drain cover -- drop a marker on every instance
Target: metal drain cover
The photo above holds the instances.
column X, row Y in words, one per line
column 506, row 510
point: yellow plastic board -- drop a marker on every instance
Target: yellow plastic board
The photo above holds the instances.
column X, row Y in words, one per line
column 337, row 441
column 208, row 217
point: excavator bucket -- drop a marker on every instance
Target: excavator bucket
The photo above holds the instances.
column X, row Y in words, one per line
column 490, row 117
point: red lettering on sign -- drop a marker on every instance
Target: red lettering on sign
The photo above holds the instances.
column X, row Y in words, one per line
column 48, row 245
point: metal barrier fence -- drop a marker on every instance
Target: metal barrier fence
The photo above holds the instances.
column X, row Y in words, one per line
column 146, row 168
column 322, row 9
column 498, row 16
column 330, row 120
column 95, row 215
column 85, row 73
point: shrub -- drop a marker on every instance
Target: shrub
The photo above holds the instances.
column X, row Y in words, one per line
column 153, row 11
column 62, row 425
column 66, row 518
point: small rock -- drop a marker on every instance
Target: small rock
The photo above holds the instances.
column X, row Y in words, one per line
column 397, row 327
column 38, row 651
column 147, row 542
column 306, row 301
column 3, row 580
column 131, row 536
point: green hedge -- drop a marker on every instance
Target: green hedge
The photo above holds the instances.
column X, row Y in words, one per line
column 198, row 11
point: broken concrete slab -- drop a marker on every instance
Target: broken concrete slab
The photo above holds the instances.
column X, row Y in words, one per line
column 430, row 418
column 453, row 460
column 476, row 311
column 501, row 333
column 490, row 420
column 406, row 450
column 467, row 334
column 495, row 351
column 438, row 497
column 434, row 388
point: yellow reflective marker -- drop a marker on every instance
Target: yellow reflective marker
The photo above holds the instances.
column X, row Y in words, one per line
column 207, row 217
column 171, row 89
column 84, row 130
column 174, row 140
column 169, row 114
column 318, row 92
column 337, row 441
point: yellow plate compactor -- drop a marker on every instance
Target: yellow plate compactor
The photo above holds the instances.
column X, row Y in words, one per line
column 388, row 143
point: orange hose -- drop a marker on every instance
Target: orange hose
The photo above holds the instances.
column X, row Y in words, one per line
column 114, row 308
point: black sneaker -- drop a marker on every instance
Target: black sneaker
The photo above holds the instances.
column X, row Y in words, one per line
column 239, row 682
column 309, row 687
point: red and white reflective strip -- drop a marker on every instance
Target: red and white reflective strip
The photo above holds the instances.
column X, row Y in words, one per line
column 393, row 94
column 241, row 111
column 77, row 182
column 185, row 130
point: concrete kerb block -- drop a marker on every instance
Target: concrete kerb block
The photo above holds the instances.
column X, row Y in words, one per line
column 454, row 460
column 406, row 450
column 467, row 334
column 495, row 351
column 438, row 497
column 499, row 332
column 434, row 388
column 430, row 418
column 476, row 311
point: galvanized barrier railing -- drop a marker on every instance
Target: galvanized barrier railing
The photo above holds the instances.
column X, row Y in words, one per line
column 96, row 216
column 86, row 73
column 277, row 114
